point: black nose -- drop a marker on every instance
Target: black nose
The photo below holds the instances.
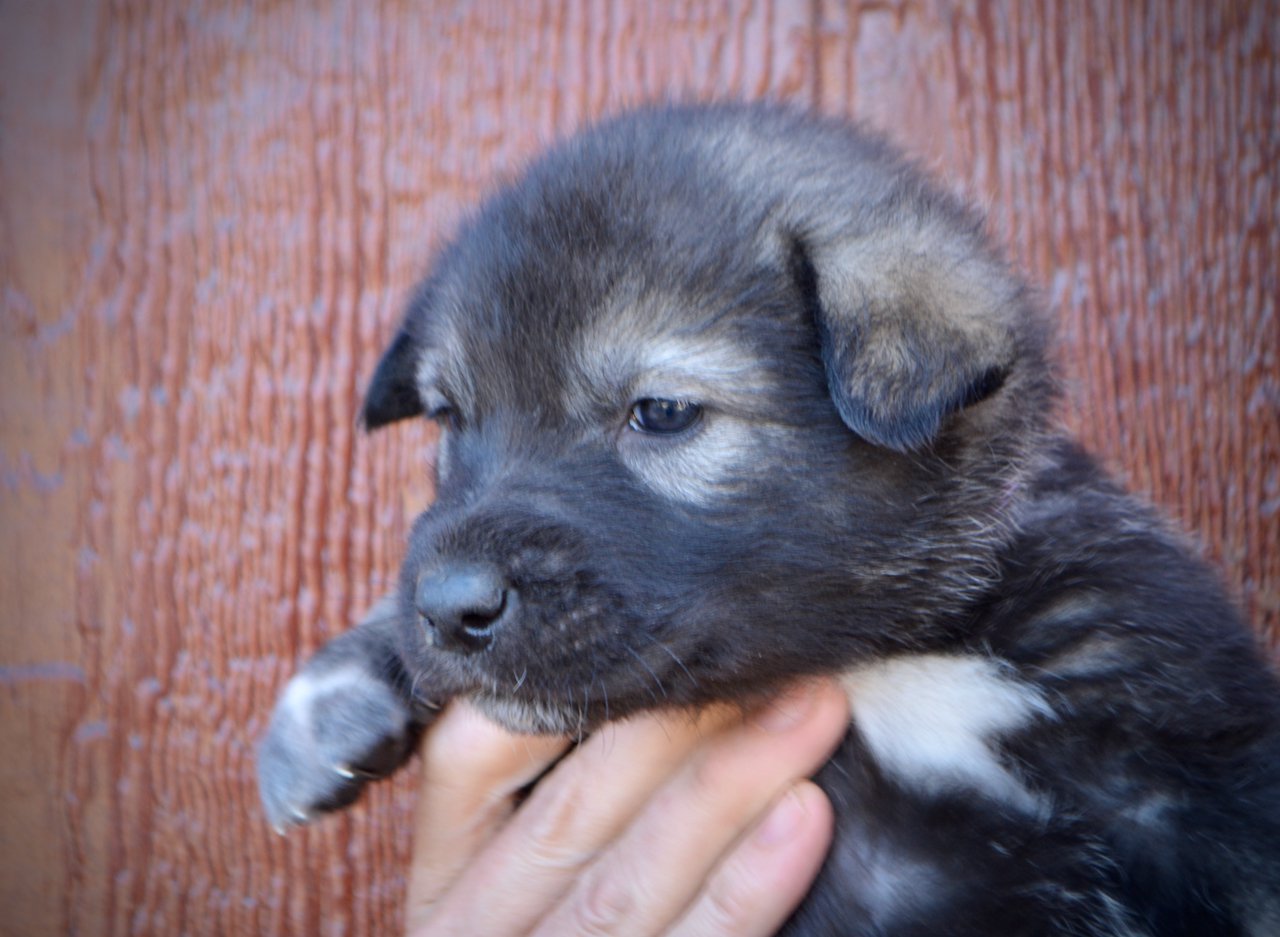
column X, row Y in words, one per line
column 461, row 605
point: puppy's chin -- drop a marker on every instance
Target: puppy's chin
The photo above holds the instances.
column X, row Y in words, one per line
column 532, row 717
column 555, row 717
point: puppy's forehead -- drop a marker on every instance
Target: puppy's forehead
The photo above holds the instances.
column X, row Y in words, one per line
column 620, row 345
column 526, row 308
column 599, row 279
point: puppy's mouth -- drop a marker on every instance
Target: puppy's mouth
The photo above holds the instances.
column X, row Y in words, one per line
column 557, row 704
column 540, row 653
column 563, row 693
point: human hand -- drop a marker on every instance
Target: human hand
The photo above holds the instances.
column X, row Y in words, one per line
column 671, row 823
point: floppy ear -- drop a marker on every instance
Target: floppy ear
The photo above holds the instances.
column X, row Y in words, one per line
column 915, row 325
column 393, row 392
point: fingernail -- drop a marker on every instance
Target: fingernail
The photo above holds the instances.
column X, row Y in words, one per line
column 788, row 710
column 782, row 822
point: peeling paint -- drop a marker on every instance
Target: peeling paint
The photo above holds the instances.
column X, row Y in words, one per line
column 46, row 671
column 90, row 731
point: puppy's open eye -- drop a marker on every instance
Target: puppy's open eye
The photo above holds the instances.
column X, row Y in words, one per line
column 663, row 417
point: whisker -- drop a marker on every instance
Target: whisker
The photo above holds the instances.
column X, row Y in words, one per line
column 520, row 682
column 574, row 707
column 643, row 663
column 582, row 713
column 679, row 663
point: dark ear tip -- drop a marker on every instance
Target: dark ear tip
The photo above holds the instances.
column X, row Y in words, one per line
column 987, row 384
column 376, row 414
column 906, row 432
column 366, row 420
column 914, row 423
column 393, row 392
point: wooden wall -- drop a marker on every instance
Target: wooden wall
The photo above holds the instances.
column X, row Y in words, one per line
column 212, row 211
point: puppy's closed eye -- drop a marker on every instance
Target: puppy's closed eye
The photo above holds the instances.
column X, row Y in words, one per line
column 446, row 415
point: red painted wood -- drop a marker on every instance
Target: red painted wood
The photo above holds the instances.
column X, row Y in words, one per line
column 209, row 219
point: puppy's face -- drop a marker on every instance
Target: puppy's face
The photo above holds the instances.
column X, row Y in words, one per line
column 650, row 488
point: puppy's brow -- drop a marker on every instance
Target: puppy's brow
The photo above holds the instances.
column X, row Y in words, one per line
column 698, row 364
column 638, row 361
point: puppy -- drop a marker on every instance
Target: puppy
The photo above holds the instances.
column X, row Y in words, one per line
column 733, row 394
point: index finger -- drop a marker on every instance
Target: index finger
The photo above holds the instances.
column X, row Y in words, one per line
column 473, row 769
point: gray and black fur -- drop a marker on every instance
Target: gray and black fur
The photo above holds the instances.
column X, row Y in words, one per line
column 1061, row 726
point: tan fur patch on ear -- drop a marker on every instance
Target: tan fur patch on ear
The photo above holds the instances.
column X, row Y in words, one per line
column 918, row 323
column 919, row 285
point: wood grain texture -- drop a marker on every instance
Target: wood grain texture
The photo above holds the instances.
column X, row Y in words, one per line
column 211, row 215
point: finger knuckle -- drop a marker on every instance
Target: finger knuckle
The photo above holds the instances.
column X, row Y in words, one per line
column 728, row 906
column 603, row 906
column 715, row 780
column 563, row 827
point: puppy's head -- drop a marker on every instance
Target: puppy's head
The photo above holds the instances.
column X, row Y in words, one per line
column 726, row 395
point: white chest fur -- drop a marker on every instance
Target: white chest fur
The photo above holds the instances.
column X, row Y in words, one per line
column 931, row 721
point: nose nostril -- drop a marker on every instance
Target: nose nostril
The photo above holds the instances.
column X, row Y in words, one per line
column 461, row 605
column 479, row 626
column 480, row 621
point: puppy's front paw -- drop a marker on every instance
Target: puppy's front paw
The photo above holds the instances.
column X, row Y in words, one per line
column 331, row 732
